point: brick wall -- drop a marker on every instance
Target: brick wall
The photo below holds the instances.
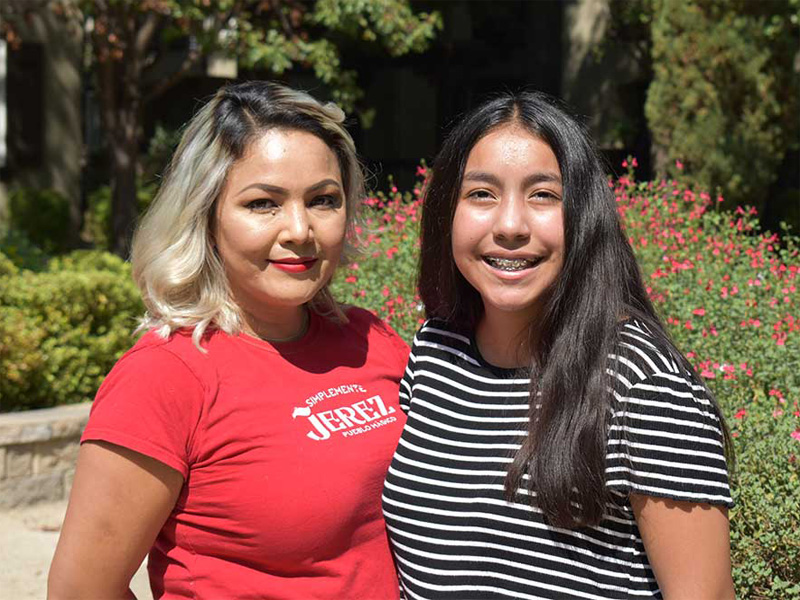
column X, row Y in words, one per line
column 38, row 449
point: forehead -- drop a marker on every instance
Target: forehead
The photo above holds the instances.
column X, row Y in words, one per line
column 512, row 146
column 278, row 144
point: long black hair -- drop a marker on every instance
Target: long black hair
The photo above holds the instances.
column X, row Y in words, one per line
column 599, row 285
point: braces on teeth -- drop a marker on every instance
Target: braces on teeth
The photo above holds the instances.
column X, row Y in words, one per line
column 509, row 264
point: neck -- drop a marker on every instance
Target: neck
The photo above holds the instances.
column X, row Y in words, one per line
column 286, row 327
column 504, row 340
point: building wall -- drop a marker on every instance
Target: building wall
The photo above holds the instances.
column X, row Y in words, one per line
column 57, row 162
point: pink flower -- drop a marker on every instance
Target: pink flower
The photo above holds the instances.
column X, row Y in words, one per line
column 740, row 414
column 679, row 165
column 795, row 435
column 699, row 312
column 350, row 279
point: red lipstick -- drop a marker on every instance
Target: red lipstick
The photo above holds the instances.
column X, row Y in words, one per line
column 294, row 265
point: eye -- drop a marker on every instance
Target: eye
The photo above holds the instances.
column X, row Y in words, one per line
column 326, row 201
column 545, row 196
column 261, row 205
column 480, row 195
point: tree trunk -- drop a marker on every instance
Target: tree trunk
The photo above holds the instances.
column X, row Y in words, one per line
column 659, row 158
column 120, row 42
column 124, row 209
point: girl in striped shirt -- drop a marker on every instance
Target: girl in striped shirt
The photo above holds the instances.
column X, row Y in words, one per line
column 557, row 445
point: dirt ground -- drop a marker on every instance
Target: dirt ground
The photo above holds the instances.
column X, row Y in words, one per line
column 28, row 538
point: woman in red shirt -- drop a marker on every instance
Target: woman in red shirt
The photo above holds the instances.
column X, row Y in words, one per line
column 244, row 439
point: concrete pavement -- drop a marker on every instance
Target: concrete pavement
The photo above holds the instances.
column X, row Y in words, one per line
column 28, row 538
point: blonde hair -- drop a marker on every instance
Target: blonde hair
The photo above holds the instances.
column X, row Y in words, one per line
column 181, row 277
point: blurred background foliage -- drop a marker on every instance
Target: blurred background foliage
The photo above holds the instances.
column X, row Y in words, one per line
column 724, row 96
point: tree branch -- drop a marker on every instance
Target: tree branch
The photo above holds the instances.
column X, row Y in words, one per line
column 191, row 60
column 286, row 26
column 105, row 82
column 188, row 63
column 145, row 34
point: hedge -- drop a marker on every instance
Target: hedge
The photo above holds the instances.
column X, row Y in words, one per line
column 63, row 328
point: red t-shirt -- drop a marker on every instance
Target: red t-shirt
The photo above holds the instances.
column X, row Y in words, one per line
column 283, row 449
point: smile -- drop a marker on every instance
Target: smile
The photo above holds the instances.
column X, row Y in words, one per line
column 294, row 265
column 511, row 264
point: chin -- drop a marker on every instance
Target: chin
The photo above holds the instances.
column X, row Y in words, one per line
column 514, row 306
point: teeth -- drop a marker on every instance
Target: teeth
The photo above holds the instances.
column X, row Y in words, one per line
column 509, row 264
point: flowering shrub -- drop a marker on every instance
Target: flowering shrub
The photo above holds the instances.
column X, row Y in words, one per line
column 727, row 293
column 383, row 277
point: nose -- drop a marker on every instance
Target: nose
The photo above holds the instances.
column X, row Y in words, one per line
column 297, row 227
column 510, row 220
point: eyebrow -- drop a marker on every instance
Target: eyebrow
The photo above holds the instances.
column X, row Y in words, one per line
column 532, row 179
column 276, row 189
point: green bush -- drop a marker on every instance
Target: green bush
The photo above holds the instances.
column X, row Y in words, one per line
column 62, row 329
column 21, row 252
column 42, row 216
column 7, row 266
column 728, row 294
column 97, row 220
column 766, row 520
column 724, row 97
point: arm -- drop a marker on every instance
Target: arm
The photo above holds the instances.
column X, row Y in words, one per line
column 119, row 502
column 688, row 546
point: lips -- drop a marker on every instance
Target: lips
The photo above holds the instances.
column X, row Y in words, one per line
column 294, row 265
column 511, row 264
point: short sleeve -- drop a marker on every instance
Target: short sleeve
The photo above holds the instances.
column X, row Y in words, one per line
column 665, row 439
column 150, row 403
column 407, row 382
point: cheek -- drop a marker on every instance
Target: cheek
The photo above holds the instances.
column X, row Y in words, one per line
column 332, row 233
column 550, row 232
column 459, row 241
column 468, row 229
column 241, row 242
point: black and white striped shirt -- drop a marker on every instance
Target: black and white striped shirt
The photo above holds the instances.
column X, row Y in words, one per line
column 453, row 533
